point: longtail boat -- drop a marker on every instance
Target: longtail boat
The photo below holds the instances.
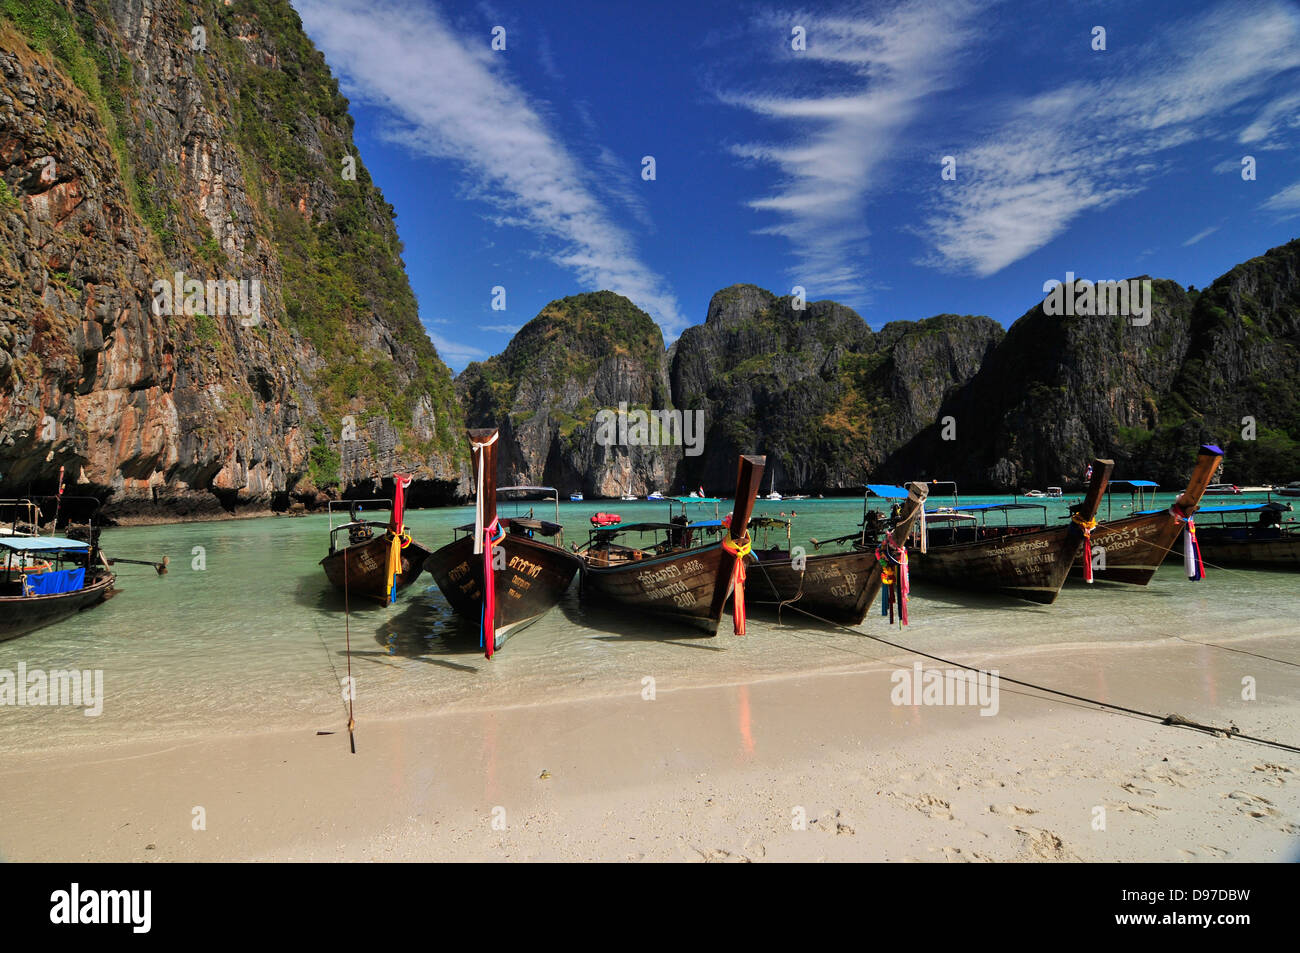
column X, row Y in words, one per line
column 1131, row 549
column 1251, row 534
column 840, row 586
column 1024, row 561
column 526, row 575
column 677, row 579
column 48, row 578
column 371, row 559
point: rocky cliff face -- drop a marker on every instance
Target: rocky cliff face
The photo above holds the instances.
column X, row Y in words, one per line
column 148, row 146
column 827, row 399
column 1216, row 366
column 580, row 356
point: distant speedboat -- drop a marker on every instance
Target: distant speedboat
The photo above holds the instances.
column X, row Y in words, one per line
column 1291, row 489
column 1055, row 492
column 656, row 495
column 1035, row 495
column 575, row 497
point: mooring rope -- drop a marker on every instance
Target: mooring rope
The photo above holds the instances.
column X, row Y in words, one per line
column 1171, row 719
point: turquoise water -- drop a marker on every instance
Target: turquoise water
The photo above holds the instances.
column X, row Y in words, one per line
column 253, row 637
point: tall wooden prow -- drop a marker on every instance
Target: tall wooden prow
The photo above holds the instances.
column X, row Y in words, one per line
column 749, row 474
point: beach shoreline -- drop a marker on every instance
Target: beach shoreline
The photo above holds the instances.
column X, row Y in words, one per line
column 708, row 773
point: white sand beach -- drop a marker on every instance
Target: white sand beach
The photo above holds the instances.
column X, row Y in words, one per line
column 715, row 773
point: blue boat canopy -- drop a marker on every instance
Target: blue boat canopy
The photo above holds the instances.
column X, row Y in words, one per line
column 1270, row 507
column 43, row 544
column 888, row 491
column 1141, row 483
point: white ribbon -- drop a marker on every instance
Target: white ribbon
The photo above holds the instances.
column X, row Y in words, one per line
column 478, row 495
column 924, row 540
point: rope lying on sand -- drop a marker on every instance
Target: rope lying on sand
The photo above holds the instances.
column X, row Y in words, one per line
column 1172, row 719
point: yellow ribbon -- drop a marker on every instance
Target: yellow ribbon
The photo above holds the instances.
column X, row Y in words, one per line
column 741, row 548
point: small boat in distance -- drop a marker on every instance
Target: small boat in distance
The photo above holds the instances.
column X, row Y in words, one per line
column 1222, row 489
column 1034, row 495
column 656, row 495
column 1055, row 492
column 1291, row 489
column 1026, row 561
column 576, row 497
column 503, row 571
column 372, row 559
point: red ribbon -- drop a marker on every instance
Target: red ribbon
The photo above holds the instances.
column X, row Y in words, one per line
column 492, row 533
column 740, row 549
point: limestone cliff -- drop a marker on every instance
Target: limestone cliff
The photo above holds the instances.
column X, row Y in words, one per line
column 148, row 141
column 826, row 398
column 579, row 356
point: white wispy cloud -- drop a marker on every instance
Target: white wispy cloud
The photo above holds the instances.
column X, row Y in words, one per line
column 501, row 328
column 451, row 98
column 1280, row 115
column 1205, row 233
column 1077, row 148
column 1286, row 201
column 882, row 67
column 454, row 353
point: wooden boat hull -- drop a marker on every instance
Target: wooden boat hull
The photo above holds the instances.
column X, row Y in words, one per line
column 22, row 614
column 1031, row 565
column 681, row 586
column 536, row 577
column 838, row 587
column 1220, row 548
column 1135, row 546
column 367, row 568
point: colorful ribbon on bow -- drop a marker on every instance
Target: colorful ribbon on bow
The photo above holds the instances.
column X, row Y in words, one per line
column 1086, row 527
column 894, row 582
column 486, row 535
column 740, row 548
column 493, row 533
column 1192, row 562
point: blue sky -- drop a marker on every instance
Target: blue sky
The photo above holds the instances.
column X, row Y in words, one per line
column 818, row 167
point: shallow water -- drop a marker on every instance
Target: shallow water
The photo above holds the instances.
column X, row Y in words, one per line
column 254, row 638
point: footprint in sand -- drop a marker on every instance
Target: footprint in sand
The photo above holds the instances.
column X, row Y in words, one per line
column 932, row 806
column 1045, row 844
column 1252, row 804
column 834, row 822
column 1273, row 773
column 1148, row 811
column 1132, row 788
column 1010, row 809
column 717, row 855
column 1205, row 851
